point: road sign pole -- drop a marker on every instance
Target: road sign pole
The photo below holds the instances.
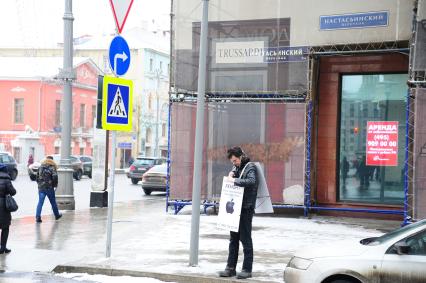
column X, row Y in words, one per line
column 111, row 195
column 199, row 133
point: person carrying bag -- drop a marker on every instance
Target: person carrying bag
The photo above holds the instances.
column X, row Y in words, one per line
column 6, row 191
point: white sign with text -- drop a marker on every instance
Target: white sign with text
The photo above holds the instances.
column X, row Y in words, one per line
column 231, row 200
column 241, row 52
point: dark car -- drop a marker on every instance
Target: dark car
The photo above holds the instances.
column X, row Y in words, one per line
column 87, row 165
column 155, row 179
column 141, row 165
column 76, row 164
column 9, row 161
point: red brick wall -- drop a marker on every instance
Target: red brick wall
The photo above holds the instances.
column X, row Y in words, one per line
column 328, row 108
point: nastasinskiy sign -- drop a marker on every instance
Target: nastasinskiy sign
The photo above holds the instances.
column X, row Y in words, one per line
column 357, row 20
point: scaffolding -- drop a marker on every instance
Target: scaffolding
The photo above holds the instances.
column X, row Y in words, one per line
column 306, row 97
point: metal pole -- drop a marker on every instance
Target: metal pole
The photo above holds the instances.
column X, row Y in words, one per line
column 199, row 133
column 111, row 195
column 157, row 140
column 65, row 190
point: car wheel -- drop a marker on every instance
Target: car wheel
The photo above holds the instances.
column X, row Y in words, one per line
column 13, row 175
column 32, row 177
column 78, row 175
column 89, row 175
column 147, row 192
column 134, row 181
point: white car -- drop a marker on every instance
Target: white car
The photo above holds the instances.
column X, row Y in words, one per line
column 396, row 257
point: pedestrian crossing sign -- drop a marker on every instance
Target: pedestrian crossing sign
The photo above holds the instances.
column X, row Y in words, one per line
column 117, row 104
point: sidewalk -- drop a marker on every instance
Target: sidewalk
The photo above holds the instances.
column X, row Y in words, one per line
column 149, row 242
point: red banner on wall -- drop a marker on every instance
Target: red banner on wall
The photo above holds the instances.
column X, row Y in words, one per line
column 382, row 143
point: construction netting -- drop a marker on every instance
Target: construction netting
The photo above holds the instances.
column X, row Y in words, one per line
column 420, row 154
column 270, row 133
column 260, row 57
column 257, row 47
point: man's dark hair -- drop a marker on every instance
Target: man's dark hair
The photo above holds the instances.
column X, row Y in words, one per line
column 235, row 151
column 49, row 157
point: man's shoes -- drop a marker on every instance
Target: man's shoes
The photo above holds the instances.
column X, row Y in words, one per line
column 38, row 220
column 244, row 274
column 4, row 250
column 58, row 217
column 228, row 272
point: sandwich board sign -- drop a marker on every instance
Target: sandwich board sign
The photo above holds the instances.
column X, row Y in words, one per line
column 117, row 104
column 231, row 199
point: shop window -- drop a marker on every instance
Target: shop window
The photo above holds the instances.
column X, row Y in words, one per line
column 371, row 164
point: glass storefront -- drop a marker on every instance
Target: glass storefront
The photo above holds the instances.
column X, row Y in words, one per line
column 372, row 138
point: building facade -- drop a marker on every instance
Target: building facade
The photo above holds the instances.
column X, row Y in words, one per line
column 347, row 65
column 31, row 98
column 149, row 71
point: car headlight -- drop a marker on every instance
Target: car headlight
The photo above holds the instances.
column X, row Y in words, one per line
column 299, row 263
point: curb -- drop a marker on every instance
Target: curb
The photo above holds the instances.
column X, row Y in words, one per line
column 179, row 278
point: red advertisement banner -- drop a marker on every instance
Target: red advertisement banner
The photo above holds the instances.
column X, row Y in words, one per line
column 382, row 143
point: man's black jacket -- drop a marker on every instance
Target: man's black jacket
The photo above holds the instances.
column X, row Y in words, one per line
column 248, row 180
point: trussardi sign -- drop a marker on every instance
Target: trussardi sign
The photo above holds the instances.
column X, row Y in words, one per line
column 249, row 52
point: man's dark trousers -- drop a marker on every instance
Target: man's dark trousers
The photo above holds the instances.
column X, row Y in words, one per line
column 243, row 235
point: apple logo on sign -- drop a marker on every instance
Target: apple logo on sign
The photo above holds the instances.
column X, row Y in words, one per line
column 230, row 206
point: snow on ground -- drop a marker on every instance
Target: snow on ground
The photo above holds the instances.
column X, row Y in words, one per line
column 275, row 239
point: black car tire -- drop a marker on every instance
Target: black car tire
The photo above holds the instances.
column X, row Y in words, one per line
column 89, row 175
column 147, row 192
column 13, row 175
column 33, row 177
column 135, row 181
column 78, row 175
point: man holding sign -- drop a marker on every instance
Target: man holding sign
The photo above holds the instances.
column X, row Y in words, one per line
column 244, row 174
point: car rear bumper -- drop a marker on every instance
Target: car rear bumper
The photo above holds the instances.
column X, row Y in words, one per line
column 154, row 187
column 133, row 175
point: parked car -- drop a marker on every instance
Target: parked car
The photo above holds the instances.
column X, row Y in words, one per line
column 76, row 164
column 155, row 179
column 141, row 165
column 87, row 165
column 7, row 159
column 398, row 256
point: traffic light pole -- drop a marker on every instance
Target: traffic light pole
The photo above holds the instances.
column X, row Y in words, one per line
column 65, row 190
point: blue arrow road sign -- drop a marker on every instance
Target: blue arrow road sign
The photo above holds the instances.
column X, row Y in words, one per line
column 119, row 56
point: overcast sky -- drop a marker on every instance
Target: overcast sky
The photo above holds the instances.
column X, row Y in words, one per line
column 39, row 23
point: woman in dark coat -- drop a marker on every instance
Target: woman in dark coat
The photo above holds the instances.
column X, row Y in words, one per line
column 6, row 188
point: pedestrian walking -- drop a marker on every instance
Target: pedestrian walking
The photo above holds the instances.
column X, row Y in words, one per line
column 243, row 174
column 47, row 180
column 30, row 160
column 6, row 188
